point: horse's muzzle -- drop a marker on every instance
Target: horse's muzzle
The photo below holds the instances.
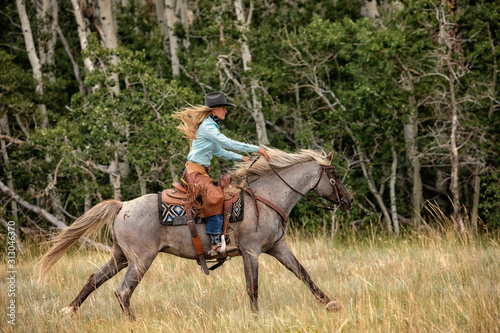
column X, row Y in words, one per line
column 346, row 202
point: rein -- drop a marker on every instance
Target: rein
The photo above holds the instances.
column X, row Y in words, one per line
column 323, row 205
column 266, row 202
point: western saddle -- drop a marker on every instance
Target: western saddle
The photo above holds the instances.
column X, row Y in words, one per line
column 190, row 196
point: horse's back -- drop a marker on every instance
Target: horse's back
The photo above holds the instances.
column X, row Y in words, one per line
column 138, row 228
column 137, row 224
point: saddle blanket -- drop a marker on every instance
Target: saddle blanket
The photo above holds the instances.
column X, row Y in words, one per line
column 176, row 214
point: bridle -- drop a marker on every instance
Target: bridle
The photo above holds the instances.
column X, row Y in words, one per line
column 325, row 169
column 333, row 182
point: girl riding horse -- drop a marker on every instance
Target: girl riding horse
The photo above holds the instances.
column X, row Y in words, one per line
column 201, row 125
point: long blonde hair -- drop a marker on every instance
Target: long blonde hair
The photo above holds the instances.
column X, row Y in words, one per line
column 191, row 118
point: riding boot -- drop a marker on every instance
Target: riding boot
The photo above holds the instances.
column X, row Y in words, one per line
column 216, row 240
column 214, row 230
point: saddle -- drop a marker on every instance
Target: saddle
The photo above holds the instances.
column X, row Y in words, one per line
column 175, row 196
column 172, row 202
column 184, row 205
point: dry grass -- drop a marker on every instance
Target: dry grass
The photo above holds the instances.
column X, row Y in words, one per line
column 416, row 284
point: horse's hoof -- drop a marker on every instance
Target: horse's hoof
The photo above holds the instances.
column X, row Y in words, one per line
column 68, row 311
column 333, row 306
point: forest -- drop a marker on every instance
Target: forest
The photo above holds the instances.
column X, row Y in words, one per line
column 404, row 92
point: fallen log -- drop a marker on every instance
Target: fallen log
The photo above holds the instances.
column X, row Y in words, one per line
column 49, row 217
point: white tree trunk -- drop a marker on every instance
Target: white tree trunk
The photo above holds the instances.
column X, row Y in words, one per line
column 33, row 58
column 117, row 187
column 87, row 203
column 394, row 210
column 475, row 199
column 454, row 148
column 493, row 85
column 47, row 14
column 186, row 17
column 83, row 32
column 450, row 41
column 142, row 180
column 160, row 11
column 173, row 170
column 334, row 224
column 4, row 128
column 110, row 38
column 170, row 10
column 411, row 135
column 161, row 17
column 370, row 9
column 258, row 116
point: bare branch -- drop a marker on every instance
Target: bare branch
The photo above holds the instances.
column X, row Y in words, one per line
column 364, row 209
column 40, row 211
column 76, row 69
column 23, row 127
column 11, row 139
column 192, row 77
column 13, row 47
column 102, row 168
column 11, row 20
column 153, row 106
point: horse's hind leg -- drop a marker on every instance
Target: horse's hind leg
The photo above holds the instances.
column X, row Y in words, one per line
column 136, row 269
column 284, row 255
column 96, row 279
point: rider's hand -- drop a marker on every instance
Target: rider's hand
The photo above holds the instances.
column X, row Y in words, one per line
column 264, row 153
column 245, row 159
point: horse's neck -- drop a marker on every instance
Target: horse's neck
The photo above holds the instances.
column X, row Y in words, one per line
column 302, row 177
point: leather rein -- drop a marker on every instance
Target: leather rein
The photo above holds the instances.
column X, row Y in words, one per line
column 325, row 206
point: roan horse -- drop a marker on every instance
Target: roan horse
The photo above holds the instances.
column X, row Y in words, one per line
column 138, row 236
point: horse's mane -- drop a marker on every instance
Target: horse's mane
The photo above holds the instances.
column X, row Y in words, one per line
column 279, row 160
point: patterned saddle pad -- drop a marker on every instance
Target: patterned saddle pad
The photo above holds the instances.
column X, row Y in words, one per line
column 176, row 214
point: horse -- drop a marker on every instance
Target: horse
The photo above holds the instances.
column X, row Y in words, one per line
column 138, row 236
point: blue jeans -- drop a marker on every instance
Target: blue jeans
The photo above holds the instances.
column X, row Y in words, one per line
column 214, row 224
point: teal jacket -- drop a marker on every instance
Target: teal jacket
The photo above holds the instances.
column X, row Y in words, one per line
column 210, row 141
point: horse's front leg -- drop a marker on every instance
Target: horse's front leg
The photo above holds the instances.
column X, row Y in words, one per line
column 282, row 252
column 251, row 265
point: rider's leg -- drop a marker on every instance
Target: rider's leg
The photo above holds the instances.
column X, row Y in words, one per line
column 214, row 229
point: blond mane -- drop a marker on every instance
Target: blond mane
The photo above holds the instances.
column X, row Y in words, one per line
column 279, row 160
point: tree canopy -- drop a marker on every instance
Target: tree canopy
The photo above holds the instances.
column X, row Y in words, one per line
column 405, row 93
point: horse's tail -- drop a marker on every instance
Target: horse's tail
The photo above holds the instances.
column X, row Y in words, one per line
column 87, row 225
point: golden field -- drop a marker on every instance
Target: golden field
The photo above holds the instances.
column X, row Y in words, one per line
column 419, row 283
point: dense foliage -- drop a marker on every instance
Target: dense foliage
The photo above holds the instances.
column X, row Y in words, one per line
column 327, row 78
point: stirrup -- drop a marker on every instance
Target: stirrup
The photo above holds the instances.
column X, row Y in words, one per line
column 214, row 250
column 217, row 252
column 220, row 248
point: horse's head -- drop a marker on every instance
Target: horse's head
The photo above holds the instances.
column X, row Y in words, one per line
column 331, row 188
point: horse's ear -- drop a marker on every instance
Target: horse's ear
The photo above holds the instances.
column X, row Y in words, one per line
column 330, row 156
